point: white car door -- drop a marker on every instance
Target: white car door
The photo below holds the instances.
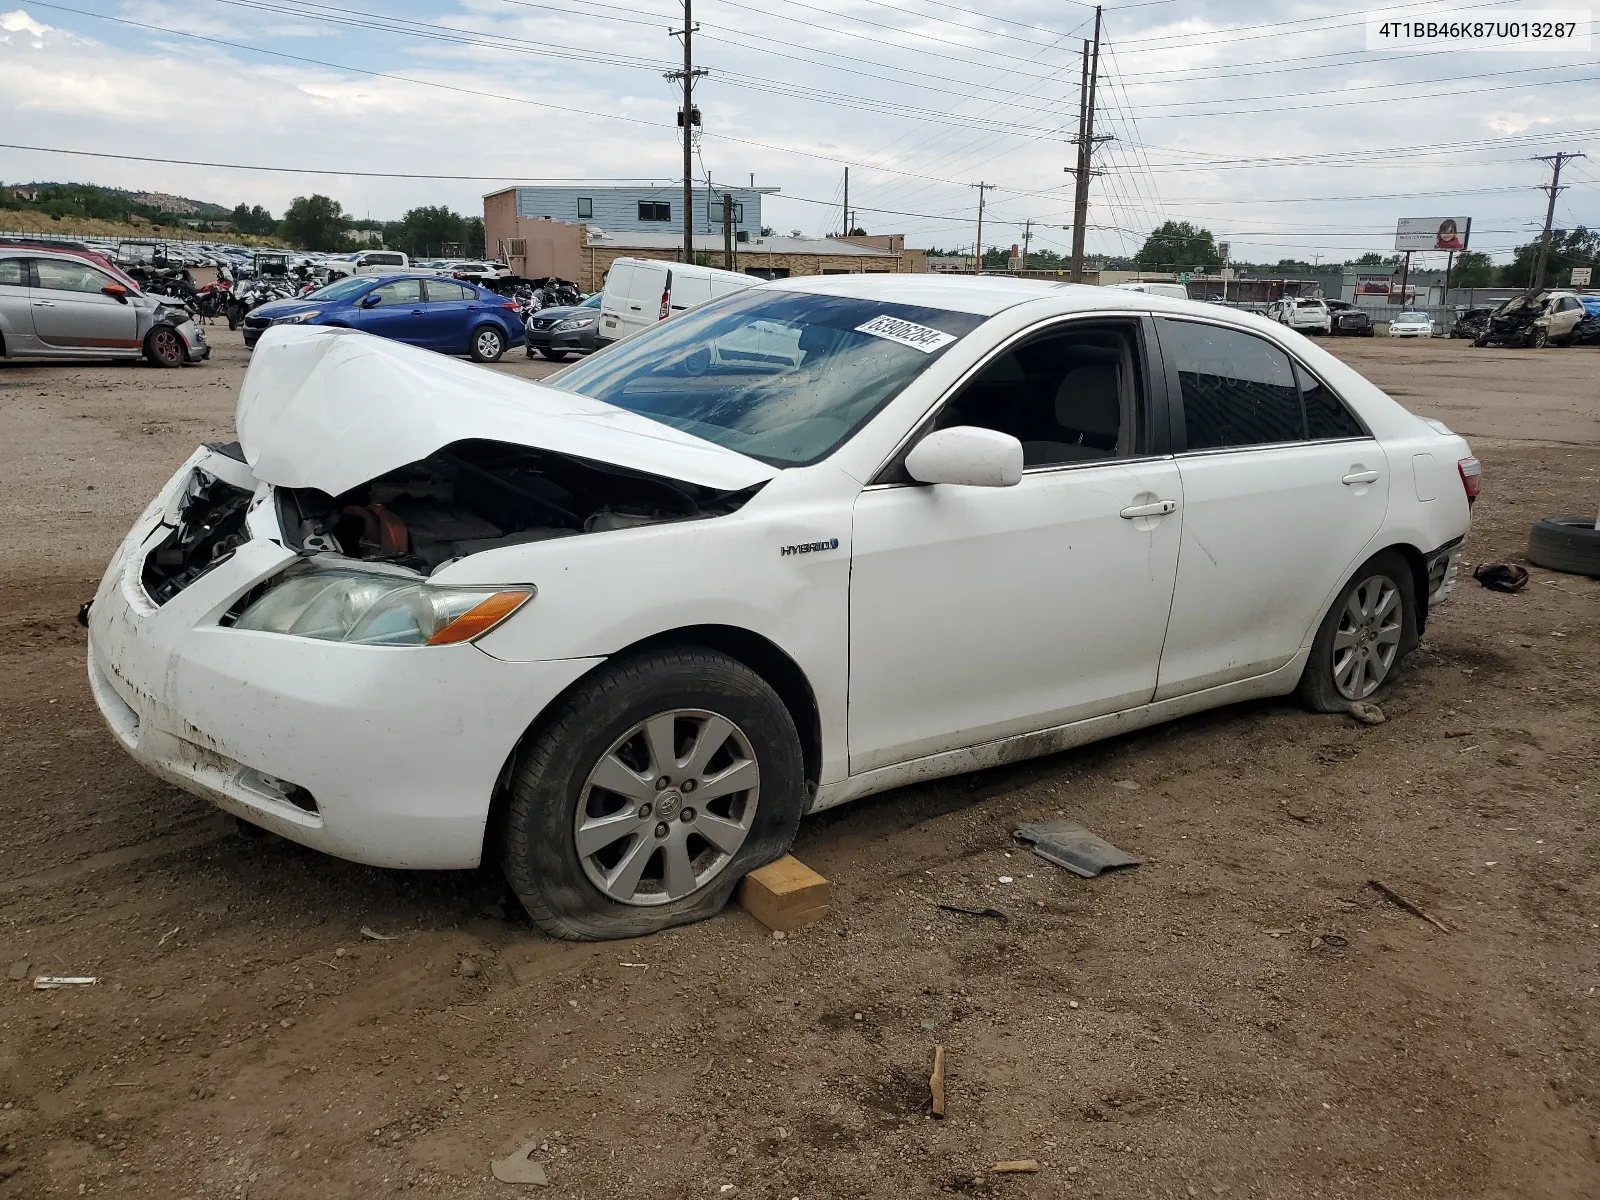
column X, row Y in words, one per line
column 979, row 613
column 614, row 300
column 651, row 282
column 1283, row 490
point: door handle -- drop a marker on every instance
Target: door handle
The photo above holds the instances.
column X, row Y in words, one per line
column 416, row 312
column 636, row 308
column 1356, row 477
column 44, row 303
column 1160, row 508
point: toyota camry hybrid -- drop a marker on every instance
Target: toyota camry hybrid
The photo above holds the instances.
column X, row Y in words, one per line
column 619, row 631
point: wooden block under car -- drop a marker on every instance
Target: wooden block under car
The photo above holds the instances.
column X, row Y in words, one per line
column 785, row 895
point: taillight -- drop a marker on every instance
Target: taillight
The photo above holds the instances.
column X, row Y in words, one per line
column 666, row 302
column 1470, row 471
column 511, row 304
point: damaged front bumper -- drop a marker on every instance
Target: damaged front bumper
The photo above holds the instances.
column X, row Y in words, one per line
column 379, row 754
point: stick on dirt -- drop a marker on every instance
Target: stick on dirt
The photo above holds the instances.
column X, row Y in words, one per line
column 1016, row 1166
column 1416, row 910
column 936, row 1081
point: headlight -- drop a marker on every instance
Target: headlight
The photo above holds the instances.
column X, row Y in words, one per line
column 574, row 323
column 296, row 318
column 368, row 609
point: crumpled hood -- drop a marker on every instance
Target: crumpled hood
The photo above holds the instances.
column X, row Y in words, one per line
column 331, row 408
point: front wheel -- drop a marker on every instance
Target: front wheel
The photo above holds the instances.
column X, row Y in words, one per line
column 649, row 793
column 488, row 344
column 553, row 355
column 1539, row 338
column 164, row 347
column 1370, row 628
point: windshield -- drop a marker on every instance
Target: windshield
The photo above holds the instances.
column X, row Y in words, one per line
column 593, row 301
column 341, row 289
column 1413, row 316
column 784, row 377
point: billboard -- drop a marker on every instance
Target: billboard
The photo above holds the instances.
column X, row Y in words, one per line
column 1432, row 233
column 1372, row 285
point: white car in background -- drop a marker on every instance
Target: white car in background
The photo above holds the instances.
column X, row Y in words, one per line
column 620, row 630
column 640, row 292
column 1307, row 316
column 1411, row 324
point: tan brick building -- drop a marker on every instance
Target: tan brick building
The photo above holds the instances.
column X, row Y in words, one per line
column 539, row 246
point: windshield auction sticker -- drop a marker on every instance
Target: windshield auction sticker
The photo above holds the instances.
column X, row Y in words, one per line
column 907, row 333
column 1474, row 29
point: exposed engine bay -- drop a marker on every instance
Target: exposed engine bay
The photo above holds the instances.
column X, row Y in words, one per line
column 464, row 499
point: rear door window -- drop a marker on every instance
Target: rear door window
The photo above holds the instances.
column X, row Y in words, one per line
column 441, row 291
column 1327, row 417
column 1237, row 389
column 13, row 272
column 401, row 291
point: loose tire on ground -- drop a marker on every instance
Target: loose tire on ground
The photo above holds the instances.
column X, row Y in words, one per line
column 1340, row 635
column 556, row 774
column 1566, row 543
column 164, row 347
column 488, row 344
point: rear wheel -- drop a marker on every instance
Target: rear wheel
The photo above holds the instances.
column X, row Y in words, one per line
column 649, row 793
column 553, row 355
column 488, row 344
column 1370, row 628
column 164, row 347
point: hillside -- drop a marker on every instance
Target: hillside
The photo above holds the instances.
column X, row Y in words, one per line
column 37, row 223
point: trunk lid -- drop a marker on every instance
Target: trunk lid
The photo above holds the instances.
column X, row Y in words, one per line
column 331, row 408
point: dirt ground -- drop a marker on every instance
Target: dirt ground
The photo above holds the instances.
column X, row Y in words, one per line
column 1187, row 1028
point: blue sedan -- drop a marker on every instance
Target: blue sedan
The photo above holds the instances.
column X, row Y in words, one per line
column 430, row 311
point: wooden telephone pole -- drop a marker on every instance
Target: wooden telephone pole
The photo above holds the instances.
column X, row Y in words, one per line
column 1555, row 189
column 688, row 117
column 977, row 266
column 1086, row 140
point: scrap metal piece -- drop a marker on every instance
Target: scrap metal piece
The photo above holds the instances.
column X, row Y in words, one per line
column 1070, row 845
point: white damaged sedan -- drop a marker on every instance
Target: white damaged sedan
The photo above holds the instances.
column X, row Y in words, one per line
column 621, row 630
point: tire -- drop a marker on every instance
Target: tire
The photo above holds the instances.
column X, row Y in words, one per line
column 488, row 344
column 1566, row 543
column 1480, row 342
column 553, row 355
column 1539, row 338
column 163, row 347
column 599, row 729
column 1346, row 666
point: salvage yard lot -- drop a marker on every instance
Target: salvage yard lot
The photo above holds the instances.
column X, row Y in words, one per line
column 1184, row 1028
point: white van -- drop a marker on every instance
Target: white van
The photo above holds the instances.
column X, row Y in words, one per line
column 639, row 292
column 1175, row 290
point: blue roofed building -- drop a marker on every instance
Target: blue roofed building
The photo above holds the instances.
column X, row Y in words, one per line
column 651, row 209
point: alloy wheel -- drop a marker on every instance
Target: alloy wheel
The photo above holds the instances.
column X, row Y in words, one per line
column 665, row 809
column 1367, row 641
column 488, row 344
column 167, row 345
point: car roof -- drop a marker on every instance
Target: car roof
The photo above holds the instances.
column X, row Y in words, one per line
column 982, row 295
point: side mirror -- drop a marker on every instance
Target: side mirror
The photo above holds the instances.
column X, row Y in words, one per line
column 967, row 455
column 117, row 292
column 371, row 300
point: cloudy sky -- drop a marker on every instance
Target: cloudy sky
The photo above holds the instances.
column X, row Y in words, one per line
column 1271, row 124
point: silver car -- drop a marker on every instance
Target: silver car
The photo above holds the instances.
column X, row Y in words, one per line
column 61, row 304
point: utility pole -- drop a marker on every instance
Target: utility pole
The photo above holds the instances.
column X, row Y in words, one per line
column 727, row 231
column 1554, row 188
column 977, row 266
column 688, row 117
column 1086, row 142
column 846, row 232
column 1027, row 236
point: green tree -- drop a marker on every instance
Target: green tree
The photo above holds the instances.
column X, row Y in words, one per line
column 252, row 219
column 1177, row 246
column 314, row 223
column 1472, row 270
column 424, row 232
column 1578, row 247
